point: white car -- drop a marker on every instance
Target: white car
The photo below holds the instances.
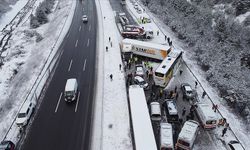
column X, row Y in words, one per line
column 84, row 18
column 139, row 11
column 139, row 70
column 234, row 145
column 141, row 82
column 25, row 113
column 136, row 6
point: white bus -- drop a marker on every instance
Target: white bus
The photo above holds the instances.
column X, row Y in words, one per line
column 142, row 128
column 164, row 73
column 187, row 135
column 206, row 115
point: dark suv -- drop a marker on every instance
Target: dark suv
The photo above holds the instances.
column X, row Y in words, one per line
column 7, row 145
column 188, row 92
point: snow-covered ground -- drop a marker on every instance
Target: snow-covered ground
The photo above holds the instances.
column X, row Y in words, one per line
column 8, row 16
column 112, row 106
column 24, row 60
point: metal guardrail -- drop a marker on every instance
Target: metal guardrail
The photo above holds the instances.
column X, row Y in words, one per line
column 14, row 23
column 44, row 74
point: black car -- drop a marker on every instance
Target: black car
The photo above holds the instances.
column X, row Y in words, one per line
column 7, row 145
column 171, row 111
column 188, row 92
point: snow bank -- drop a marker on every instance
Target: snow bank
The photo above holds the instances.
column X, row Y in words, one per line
column 113, row 106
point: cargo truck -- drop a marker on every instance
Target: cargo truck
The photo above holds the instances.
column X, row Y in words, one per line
column 146, row 49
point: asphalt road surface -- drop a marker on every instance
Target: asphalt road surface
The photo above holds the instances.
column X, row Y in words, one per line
column 59, row 125
column 117, row 7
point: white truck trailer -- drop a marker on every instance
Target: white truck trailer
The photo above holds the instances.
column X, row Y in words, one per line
column 146, row 49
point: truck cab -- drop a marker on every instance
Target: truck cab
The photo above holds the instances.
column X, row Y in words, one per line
column 71, row 89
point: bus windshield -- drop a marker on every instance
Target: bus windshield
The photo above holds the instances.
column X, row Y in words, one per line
column 159, row 74
column 183, row 143
column 211, row 122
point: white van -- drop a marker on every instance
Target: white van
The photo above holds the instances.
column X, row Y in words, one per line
column 166, row 136
column 25, row 113
column 206, row 115
column 70, row 90
column 187, row 135
column 171, row 110
column 155, row 111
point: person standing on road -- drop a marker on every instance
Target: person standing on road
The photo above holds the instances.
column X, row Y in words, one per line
column 196, row 83
column 111, row 77
column 175, row 89
column 204, row 94
column 109, row 39
column 107, row 48
column 183, row 111
column 181, row 72
column 224, row 131
column 120, row 66
column 157, row 32
column 176, row 96
column 165, row 37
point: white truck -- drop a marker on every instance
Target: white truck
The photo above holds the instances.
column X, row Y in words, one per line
column 71, row 89
column 146, row 49
column 132, row 31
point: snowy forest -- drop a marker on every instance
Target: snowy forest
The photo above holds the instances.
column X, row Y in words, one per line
column 217, row 32
column 5, row 5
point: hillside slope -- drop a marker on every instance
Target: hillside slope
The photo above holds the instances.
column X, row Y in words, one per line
column 217, row 33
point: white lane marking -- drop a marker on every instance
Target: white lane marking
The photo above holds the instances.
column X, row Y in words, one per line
column 89, row 27
column 68, row 35
column 70, row 65
column 84, row 65
column 88, row 43
column 80, row 28
column 76, row 43
column 58, row 102
column 77, row 101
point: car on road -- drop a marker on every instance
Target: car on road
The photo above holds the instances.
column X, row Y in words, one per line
column 139, row 11
column 188, row 92
column 138, row 80
column 84, row 18
column 136, row 6
column 171, row 110
column 25, row 113
column 7, row 145
column 139, row 70
column 155, row 111
column 234, row 145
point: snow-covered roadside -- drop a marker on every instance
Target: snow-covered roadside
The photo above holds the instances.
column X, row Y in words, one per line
column 28, row 57
column 236, row 123
column 8, row 16
column 114, row 117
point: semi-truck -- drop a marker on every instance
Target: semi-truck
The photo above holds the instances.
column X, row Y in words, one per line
column 146, row 49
